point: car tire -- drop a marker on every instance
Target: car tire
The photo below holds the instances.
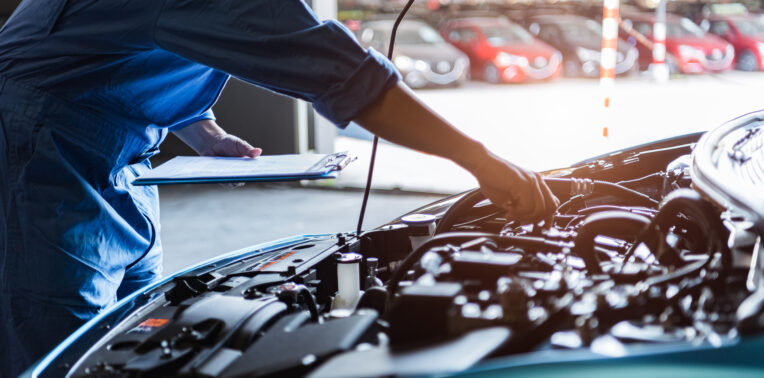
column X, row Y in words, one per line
column 747, row 61
column 634, row 71
column 491, row 74
column 673, row 65
column 571, row 68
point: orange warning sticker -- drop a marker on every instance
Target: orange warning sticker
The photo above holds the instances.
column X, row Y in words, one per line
column 276, row 260
column 149, row 325
column 153, row 322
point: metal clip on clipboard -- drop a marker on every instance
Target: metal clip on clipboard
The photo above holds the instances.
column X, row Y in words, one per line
column 333, row 162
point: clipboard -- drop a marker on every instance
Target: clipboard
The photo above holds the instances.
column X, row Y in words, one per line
column 267, row 168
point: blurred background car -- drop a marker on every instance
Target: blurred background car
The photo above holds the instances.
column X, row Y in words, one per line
column 502, row 51
column 689, row 49
column 579, row 39
column 423, row 58
column 746, row 34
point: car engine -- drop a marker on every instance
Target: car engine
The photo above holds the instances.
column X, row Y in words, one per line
column 638, row 254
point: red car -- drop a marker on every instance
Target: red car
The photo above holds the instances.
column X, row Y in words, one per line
column 746, row 34
column 689, row 49
column 501, row 51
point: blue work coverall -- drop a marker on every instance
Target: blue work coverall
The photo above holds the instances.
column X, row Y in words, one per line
column 88, row 91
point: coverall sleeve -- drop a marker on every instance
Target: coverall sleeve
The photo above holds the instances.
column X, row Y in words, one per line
column 206, row 115
column 279, row 45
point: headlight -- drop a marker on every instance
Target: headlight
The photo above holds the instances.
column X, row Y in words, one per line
column 586, row 54
column 504, row 59
column 729, row 51
column 689, row 52
column 462, row 62
column 404, row 63
column 421, row 65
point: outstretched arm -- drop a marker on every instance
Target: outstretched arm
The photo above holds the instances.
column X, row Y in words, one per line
column 398, row 116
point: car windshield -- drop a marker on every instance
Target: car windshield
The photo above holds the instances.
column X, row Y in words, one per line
column 750, row 27
column 587, row 30
column 418, row 35
column 498, row 35
column 684, row 28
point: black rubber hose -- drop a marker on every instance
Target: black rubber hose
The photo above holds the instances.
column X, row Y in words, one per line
column 467, row 202
column 560, row 185
column 651, row 179
column 310, row 301
column 574, row 203
column 688, row 203
column 617, row 224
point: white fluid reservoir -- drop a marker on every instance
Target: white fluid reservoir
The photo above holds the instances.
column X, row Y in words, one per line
column 348, row 281
column 422, row 228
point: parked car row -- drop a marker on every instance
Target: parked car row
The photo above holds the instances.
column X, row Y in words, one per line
column 580, row 39
column 689, row 49
column 546, row 46
column 745, row 33
column 421, row 55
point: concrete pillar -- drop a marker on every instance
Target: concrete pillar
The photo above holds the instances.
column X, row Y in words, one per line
column 608, row 56
column 660, row 68
column 324, row 131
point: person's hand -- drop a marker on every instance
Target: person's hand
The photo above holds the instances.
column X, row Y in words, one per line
column 209, row 139
column 521, row 192
column 228, row 145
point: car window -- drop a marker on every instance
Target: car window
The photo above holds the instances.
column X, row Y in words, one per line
column 684, row 28
column 461, row 35
column 719, row 28
column 581, row 31
column 418, row 35
column 643, row 28
column 750, row 27
column 498, row 35
column 549, row 33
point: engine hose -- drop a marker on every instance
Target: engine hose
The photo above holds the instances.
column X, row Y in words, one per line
column 635, row 210
column 651, row 179
column 617, row 224
column 587, row 187
column 467, row 202
column 310, row 301
column 691, row 205
column 576, row 202
column 577, row 188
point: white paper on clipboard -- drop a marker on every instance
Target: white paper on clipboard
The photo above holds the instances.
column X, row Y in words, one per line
column 207, row 169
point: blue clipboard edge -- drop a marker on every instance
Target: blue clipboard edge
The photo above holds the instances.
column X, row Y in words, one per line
column 335, row 163
column 218, row 180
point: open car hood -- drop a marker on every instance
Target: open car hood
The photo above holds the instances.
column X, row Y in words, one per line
column 651, row 266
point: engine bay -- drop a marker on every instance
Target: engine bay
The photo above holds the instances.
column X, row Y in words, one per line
column 635, row 255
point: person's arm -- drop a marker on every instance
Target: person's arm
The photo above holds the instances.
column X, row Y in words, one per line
column 399, row 117
column 208, row 139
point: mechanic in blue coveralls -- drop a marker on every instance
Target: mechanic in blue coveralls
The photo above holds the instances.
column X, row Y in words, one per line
column 88, row 91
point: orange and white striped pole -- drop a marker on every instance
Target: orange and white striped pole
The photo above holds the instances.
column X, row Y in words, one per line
column 660, row 69
column 608, row 56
